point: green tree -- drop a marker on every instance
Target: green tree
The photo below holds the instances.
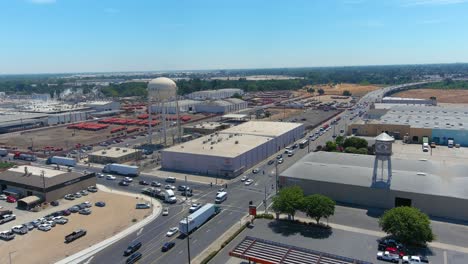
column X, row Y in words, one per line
column 339, row 140
column 288, row 201
column 361, row 151
column 346, row 93
column 350, row 150
column 355, row 142
column 317, row 206
column 330, row 146
column 236, row 95
column 321, row 91
column 407, row 224
column 311, row 90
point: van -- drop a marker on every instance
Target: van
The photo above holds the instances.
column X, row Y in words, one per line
column 171, row 179
column 221, row 197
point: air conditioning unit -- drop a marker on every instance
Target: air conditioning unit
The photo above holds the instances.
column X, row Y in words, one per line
column 104, row 152
column 124, row 150
column 117, row 149
column 237, row 142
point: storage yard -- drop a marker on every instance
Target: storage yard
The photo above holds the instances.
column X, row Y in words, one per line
column 48, row 247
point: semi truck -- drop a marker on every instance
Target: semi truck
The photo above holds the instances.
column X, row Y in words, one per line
column 195, row 220
column 167, row 196
column 75, row 235
column 24, row 156
column 3, row 152
column 121, row 169
column 64, row 161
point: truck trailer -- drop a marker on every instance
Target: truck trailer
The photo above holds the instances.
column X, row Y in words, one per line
column 64, row 161
column 121, row 169
column 195, row 220
column 75, row 235
column 24, row 156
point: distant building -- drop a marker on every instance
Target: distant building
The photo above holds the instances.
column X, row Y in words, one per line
column 408, row 101
column 215, row 94
column 114, row 155
column 204, row 128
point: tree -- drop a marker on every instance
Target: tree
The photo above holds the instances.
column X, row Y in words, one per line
column 350, row 150
column 361, row 151
column 330, row 146
column 346, row 93
column 317, row 206
column 236, row 95
column 321, row 91
column 311, row 90
column 339, row 140
column 355, row 142
column 288, row 200
column 407, row 224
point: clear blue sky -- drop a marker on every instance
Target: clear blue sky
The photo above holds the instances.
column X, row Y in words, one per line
column 41, row 36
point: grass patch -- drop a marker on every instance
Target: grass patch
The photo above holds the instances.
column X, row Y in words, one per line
column 265, row 216
column 6, row 165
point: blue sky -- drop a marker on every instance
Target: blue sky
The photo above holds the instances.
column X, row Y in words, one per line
column 49, row 36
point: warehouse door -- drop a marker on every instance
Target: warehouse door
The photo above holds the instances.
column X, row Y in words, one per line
column 402, row 202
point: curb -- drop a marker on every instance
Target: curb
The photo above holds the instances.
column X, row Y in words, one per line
column 89, row 252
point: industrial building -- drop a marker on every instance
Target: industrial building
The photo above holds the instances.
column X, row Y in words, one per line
column 42, row 184
column 100, row 106
column 413, row 122
column 230, row 152
column 209, row 106
column 114, row 155
column 205, row 128
column 429, row 185
column 170, row 107
column 215, row 94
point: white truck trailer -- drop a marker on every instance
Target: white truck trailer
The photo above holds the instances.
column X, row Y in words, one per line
column 121, row 169
column 64, row 161
column 195, row 220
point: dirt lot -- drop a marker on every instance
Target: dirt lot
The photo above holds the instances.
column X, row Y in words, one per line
column 280, row 113
column 443, row 96
column 355, row 89
column 48, row 247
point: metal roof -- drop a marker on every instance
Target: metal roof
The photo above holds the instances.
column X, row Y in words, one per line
column 269, row 252
column 431, row 177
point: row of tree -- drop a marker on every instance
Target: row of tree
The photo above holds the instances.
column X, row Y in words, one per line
column 291, row 199
column 349, row 145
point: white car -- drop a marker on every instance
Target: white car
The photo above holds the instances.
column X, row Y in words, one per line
column 169, row 187
column 44, row 227
column 3, row 197
column 60, row 220
column 244, row 178
column 110, row 177
column 128, row 179
column 20, row 229
column 248, row 182
column 100, row 175
column 165, row 211
column 50, row 223
column 172, row 231
column 280, row 161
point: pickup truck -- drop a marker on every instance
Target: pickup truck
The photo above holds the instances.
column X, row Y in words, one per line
column 75, row 235
column 387, row 256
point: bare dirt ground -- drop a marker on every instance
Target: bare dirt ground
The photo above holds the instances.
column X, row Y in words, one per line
column 355, row 89
column 48, row 247
column 280, row 113
column 443, row 96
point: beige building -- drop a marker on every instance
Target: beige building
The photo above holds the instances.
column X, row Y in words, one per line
column 114, row 155
column 205, row 128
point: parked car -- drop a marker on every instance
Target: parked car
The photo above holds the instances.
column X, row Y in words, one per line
column 279, row 156
column 244, row 178
column 271, row 162
column 60, row 220
column 7, row 235
column 7, row 218
column 187, row 192
column 74, row 209
column 54, row 203
column 389, row 242
column 280, row 161
column 142, row 182
column 155, row 184
column 85, row 211
column 165, row 211
column 77, row 195
column 84, row 192
column 92, row 189
column 415, row 259
column 167, row 246
column 20, row 229
column 248, row 182
column 110, row 177
column 387, row 256
column 133, row 247
column 69, row 197
column 172, row 231
column 194, row 207
column 11, row 199
column 44, row 227
column 169, row 187
column 3, row 197
column 143, row 206
column 66, row 212
column 100, row 204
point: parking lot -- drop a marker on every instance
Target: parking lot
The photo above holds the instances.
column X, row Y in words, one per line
column 335, row 241
column 49, row 246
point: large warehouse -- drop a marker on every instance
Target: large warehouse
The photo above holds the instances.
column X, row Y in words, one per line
column 439, row 123
column 429, row 185
column 114, row 155
column 230, row 152
column 43, row 183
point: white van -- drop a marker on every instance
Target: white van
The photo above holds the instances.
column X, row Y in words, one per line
column 221, row 197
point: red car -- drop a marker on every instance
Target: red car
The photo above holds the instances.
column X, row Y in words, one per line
column 11, row 199
column 393, row 250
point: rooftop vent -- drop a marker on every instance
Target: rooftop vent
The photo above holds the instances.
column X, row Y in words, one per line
column 236, row 142
column 124, row 150
column 103, row 152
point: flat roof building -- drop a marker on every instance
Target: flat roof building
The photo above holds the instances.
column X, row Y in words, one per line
column 205, row 128
column 349, row 178
column 114, row 155
column 48, row 184
column 230, row 152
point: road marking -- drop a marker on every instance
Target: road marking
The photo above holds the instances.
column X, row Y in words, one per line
column 193, row 241
column 219, row 222
column 139, row 231
column 91, row 258
column 445, row 257
column 180, row 252
column 208, row 230
column 230, row 213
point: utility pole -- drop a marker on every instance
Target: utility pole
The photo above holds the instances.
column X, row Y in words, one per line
column 276, row 175
column 43, row 184
column 265, row 200
column 188, row 239
column 186, row 187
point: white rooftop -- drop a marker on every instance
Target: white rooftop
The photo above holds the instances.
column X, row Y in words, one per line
column 37, row 171
column 263, row 128
column 235, row 116
column 114, row 152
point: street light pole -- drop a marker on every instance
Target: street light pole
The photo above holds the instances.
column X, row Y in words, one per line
column 188, row 239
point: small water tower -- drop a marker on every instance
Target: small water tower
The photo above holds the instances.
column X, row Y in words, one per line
column 383, row 153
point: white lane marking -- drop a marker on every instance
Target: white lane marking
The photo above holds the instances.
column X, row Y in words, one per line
column 208, row 230
column 139, row 231
column 180, row 252
column 193, row 241
column 219, row 222
column 89, row 260
column 230, row 213
column 445, row 257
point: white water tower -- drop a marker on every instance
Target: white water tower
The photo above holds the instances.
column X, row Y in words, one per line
column 160, row 91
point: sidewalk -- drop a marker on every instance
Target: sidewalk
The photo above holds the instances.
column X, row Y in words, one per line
column 89, row 252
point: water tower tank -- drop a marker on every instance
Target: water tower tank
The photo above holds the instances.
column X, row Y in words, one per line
column 161, row 89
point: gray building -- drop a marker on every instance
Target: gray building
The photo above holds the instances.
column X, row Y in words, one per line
column 355, row 179
column 230, row 152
